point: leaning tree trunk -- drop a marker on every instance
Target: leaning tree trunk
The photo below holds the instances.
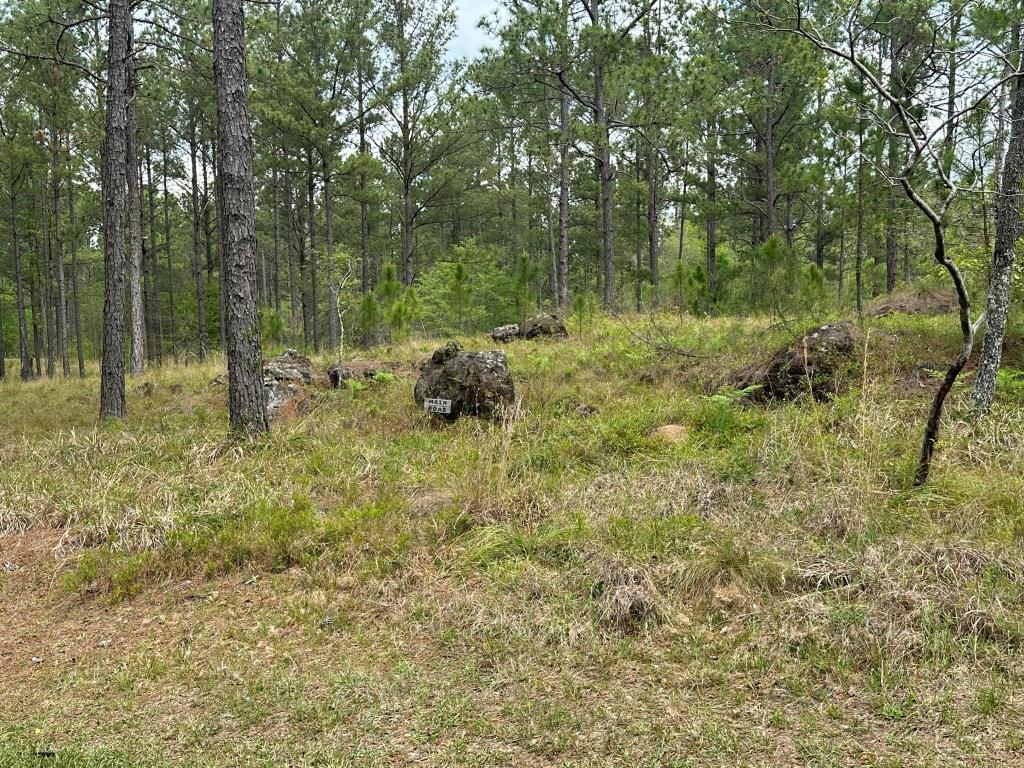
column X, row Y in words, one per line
column 246, row 398
column 113, row 176
column 967, row 330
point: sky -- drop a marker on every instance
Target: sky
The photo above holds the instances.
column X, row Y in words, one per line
column 468, row 39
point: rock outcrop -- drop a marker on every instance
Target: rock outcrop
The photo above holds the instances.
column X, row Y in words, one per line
column 338, row 374
column 813, row 365
column 505, row 333
column 283, row 379
column 476, row 383
column 541, row 325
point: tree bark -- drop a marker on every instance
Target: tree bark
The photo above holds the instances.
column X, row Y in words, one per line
column 19, row 285
column 563, row 200
column 1008, row 231
column 246, row 398
column 365, row 264
column 710, row 221
column 137, row 303
column 76, row 307
column 167, row 246
column 314, row 279
column 653, row 216
column 293, row 298
column 638, row 237
column 333, row 328
column 858, row 258
column 46, row 279
column 893, row 163
column 606, row 179
column 3, row 346
column 197, row 246
column 276, row 204
column 150, row 284
column 114, row 181
column 58, row 253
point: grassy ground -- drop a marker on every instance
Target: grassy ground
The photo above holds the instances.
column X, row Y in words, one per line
column 367, row 588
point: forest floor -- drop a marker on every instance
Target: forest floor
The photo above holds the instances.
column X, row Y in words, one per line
column 365, row 587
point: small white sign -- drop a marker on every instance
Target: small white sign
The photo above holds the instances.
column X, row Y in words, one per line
column 437, row 405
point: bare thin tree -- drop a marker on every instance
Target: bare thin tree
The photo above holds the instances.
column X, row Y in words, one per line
column 847, row 36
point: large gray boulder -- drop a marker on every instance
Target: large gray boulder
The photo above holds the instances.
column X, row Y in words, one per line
column 476, row 383
column 289, row 366
column 505, row 333
column 543, row 325
column 814, row 365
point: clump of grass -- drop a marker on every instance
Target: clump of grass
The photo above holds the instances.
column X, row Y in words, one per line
column 554, row 542
column 728, row 564
column 625, row 597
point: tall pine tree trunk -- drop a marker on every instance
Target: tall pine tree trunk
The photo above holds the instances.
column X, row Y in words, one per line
column 653, row 216
column 167, row 246
column 332, row 287
column 151, row 271
column 711, row 215
column 246, row 398
column 76, row 307
column 1008, row 232
column 638, row 237
column 37, row 311
column 313, row 277
column 563, row 200
column 19, row 283
column 289, row 226
column 893, row 163
column 606, row 182
column 114, row 182
column 58, row 252
column 137, row 303
column 46, row 279
column 276, row 266
column 858, row 263
column 197, row 245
